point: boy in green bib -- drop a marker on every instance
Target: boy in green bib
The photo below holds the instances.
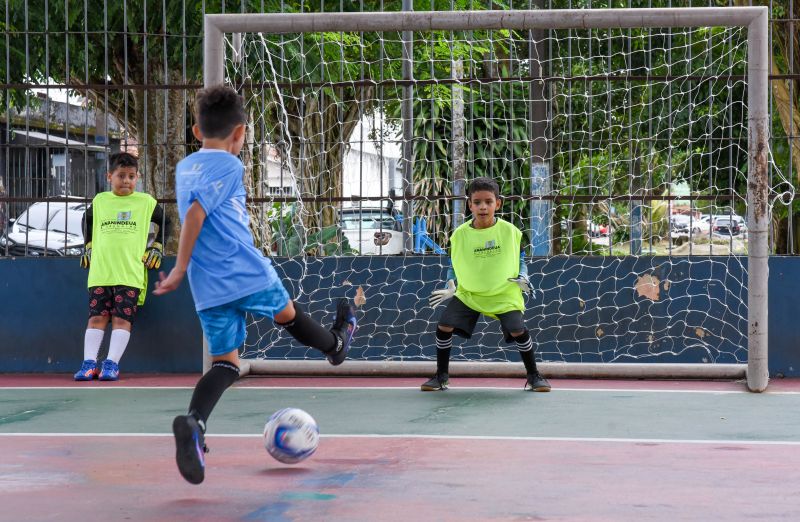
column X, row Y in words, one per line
column 116, row 228
column 489, row 264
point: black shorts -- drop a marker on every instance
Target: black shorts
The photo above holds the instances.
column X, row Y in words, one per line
column 119, row 301
column 463, row 319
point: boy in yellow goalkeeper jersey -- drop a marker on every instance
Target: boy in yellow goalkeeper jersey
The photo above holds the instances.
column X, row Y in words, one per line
column 489, row 265
column 116, row 228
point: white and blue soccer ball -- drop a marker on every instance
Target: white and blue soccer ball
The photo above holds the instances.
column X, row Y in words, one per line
column 291, row 435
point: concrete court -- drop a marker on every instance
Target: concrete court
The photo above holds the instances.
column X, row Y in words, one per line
column 483, row 450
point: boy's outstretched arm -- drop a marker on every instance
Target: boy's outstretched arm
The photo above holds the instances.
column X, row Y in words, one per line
column 192, row 224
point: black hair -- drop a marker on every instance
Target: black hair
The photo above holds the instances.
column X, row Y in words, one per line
column 122, row 159
column 219, row 110
column 479, row 184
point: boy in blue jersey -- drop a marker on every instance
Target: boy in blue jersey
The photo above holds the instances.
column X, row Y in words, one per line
column 489, row 265
column 228, row 275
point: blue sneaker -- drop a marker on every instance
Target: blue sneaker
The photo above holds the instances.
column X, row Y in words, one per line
column 88, row 371
column 344, row 326
column 109, row 371
column 190, row 448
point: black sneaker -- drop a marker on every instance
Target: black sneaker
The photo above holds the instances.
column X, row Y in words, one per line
column 537, row 383
column 190, row 448
column 438, row 382
column 344, row 326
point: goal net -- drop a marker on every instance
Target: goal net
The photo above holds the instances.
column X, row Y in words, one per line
column 629, row 146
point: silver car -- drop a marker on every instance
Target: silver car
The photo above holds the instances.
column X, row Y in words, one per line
column 46, row 228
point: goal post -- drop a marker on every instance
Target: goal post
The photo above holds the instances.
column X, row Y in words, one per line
column 751, row 20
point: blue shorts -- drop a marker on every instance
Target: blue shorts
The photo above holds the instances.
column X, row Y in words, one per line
column 224, row 325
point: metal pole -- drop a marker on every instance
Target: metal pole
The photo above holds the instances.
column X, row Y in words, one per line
column 407, row 115
column 758, row 213
column 283, row 23
column 213, row 53
column 213, row 69
column 459, row 161
column 540, row 174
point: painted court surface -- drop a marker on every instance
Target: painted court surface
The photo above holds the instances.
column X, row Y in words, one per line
column 484, row 450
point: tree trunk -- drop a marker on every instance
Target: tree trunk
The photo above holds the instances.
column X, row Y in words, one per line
column 320, row 138
column 160, row 117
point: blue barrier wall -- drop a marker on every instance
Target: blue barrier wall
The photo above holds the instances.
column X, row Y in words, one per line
column 588, row 310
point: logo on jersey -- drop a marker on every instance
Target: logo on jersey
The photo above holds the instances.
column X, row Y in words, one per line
column 490, row 249
column 124, row 223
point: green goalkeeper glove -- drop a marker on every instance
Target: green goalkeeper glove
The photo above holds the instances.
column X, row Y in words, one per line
column 152, row 256
column 440, row 296
column 86, row 257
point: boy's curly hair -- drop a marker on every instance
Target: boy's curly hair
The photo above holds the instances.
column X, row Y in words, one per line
column 218, row 111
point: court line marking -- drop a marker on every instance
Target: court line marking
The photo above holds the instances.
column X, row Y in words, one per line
column 442, row 437
column 372, row 388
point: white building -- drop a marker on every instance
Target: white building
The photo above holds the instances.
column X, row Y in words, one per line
column 371, row 166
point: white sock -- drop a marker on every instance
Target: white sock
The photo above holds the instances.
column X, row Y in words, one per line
column 119, row 341
column 92, row 340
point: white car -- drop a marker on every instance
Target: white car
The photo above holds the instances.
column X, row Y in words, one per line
column 47, row 228
column 682, row 224
column 372, row 231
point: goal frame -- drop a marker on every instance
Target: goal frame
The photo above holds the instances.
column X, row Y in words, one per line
column 755, row 19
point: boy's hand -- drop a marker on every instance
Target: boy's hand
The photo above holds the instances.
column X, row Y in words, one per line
column 523, row 284
column 86, row 257
column 439, row 296
column 168, row 283
column 152, row 256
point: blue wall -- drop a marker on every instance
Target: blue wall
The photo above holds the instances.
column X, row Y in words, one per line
column 588, row 310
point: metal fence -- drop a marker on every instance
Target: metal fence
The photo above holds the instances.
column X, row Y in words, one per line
column 82, row 79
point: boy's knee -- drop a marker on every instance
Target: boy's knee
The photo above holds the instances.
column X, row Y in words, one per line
column 446, row 329
column 287, row 315
column 120, row 323
column 98, row 322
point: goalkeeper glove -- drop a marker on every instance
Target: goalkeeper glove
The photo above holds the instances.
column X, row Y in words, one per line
column 439, row 296
column 524, row 285
column 152, row 256
column 86, row 257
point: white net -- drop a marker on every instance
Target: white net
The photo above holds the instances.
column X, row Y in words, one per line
column 620, row 153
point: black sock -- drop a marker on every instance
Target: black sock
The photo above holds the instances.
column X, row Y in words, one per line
column 209, row 389
column 525, row 346
column 444, row 342
column 309, row 332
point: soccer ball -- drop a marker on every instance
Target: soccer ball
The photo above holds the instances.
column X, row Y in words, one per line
column 291, row 435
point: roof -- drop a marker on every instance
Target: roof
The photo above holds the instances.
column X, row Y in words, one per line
column 40, row 138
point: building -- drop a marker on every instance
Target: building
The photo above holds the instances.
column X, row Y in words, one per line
column 54, row 148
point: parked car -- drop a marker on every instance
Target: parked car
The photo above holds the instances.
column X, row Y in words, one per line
column 681, row 224
column 46, row 228
column 726, row 227
column 372, row 230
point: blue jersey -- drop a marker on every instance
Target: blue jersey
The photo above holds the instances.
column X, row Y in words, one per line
column 225, row 264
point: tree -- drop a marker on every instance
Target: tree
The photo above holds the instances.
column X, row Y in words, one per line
column 146, row 69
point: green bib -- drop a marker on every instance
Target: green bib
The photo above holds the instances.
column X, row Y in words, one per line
column 120, row 226
column 483, row 260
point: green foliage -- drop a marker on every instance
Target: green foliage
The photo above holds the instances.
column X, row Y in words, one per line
column 292, row 239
